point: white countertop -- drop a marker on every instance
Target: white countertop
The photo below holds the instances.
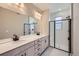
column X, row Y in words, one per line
column 9, row 44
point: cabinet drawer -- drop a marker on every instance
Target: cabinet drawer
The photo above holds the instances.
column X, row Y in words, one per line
column 29, row 45
column 22, row 53
column 37, row 46
column 38, row 51
column 37, row 54
column 37, row 41
column 30, row 51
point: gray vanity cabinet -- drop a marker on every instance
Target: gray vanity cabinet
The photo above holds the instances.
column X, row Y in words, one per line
column 34, row 48
column 30, row 51
column 40, row 45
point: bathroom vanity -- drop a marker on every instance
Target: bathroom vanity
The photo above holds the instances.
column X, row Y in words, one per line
column 29, row 45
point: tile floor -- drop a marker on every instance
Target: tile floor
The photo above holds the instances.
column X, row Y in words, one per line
column 54, row 52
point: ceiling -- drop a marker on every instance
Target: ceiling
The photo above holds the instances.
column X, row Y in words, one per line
column 53, row 7
column 42, row 6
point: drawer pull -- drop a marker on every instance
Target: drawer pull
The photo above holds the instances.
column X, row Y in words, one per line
column 24, row 54
column 38, row 44
column 38, row 49
column 45, row 41
column 38, row 41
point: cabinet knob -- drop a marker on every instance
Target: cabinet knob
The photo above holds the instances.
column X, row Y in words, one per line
column 38, row 49
column 38, row 44
column 24, row 54
column 45, row 41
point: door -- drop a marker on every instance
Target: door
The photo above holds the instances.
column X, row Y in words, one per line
column 61, row 35
column 59, row 31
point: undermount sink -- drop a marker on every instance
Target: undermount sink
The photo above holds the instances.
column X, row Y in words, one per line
column 22, row 38
column 2, row 41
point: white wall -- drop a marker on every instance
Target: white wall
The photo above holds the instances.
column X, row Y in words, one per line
column 76, row 29
column 44, row 22
column 60, row 9
column 63, row 14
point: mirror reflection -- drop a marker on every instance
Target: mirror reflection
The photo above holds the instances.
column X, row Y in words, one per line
column 31, row 26
column 15, row 23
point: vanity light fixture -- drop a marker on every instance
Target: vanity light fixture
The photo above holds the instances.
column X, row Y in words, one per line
column 37, row 15
column 20, row 6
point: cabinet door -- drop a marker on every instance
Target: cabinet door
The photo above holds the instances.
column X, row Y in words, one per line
column 13, row 52
column 22, row 53
column 30, row 51
column 44, row 43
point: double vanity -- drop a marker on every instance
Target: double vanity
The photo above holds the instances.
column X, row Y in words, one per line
column 28, row 45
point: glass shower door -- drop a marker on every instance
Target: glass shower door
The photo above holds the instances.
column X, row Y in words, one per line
column 61, row 36
column 59, row 33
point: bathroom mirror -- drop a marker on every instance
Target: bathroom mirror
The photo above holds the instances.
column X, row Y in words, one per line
column 15, row 23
